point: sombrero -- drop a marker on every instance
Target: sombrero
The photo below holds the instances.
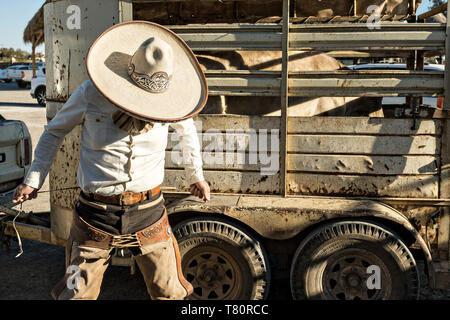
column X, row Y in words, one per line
column 147, row 71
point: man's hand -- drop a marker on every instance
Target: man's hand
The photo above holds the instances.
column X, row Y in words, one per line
column 23, row 193
column 201, row 190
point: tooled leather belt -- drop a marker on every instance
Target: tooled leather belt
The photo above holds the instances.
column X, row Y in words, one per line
column 125, row 198
column 157, row 232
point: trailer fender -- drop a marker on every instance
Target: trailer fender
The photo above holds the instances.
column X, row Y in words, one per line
column 281, row 218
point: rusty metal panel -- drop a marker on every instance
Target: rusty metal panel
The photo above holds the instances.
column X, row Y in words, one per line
column 217, row 161
column 345, row 164
column 444, row 234
column 444, row 192
column 227, row 181
column 232, row 161
column 237, row 122
column 420, row 186
column 63, row 171
column 319, row 144
column 353, row 157
column 362, row 126
column 66, row 45
column 278, row 217
column 363, row 164
column 445, row 161
column 364, row 157
column 364, row 144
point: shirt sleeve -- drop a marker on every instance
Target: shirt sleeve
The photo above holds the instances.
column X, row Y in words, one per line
column 70, row 115
column 191, row 150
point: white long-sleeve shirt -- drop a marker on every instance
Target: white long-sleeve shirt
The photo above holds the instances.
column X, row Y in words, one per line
column 111, row 160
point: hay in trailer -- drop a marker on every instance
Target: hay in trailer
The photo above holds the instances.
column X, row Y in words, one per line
column 253, row 11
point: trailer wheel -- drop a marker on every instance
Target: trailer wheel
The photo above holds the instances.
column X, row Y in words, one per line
column 22, row 84
column 222, row 261
column 352, row 260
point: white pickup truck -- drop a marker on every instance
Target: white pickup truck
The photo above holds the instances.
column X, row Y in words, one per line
column 24, row 73
column 15, row 157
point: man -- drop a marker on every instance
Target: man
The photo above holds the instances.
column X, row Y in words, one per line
column 142, row 77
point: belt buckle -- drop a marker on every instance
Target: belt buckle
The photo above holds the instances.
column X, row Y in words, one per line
column 123, row 197
column 127, row 198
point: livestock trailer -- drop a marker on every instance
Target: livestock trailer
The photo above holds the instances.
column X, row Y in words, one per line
column 317, row 204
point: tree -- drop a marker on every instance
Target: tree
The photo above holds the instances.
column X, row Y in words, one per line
column 11, row 52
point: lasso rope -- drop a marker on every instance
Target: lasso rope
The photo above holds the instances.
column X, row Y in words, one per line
column 20, row 211
column 17, row 232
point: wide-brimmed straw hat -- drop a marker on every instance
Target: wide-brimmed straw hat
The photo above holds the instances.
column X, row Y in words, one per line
column 148, row 71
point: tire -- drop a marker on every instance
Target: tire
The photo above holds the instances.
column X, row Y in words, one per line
column 222, row 261
column 40, row 96
column 22, row 84
column 333, row 262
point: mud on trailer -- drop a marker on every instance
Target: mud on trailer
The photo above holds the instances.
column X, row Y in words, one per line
column 348, row 193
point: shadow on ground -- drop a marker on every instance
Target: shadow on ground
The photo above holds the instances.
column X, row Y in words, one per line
column 32, row 275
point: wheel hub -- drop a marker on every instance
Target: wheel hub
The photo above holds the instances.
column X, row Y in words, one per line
column 213, row 273
column 346, row 275
column 210, row 274
column 352, row 276
column 353, row 280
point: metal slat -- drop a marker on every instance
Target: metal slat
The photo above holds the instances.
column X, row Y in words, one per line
column 231, row 36
column 447, row 63
column 348, row 36
column 345, row 36
column 345, row 83
column 284, row 90
column 325, row 83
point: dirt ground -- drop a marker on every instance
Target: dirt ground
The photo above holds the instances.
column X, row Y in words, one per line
column 38, row 269
column 32, row 275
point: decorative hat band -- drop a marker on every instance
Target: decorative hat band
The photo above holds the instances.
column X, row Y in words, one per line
column 156, row 83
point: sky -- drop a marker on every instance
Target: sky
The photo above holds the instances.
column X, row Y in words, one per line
column 14, row 17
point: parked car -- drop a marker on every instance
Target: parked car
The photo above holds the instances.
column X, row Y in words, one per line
column 16, row 74
column 24, row 73
column 27, row 75
column 433, row 102
column 38, row 87
column 15, row 156
column 4, row 73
